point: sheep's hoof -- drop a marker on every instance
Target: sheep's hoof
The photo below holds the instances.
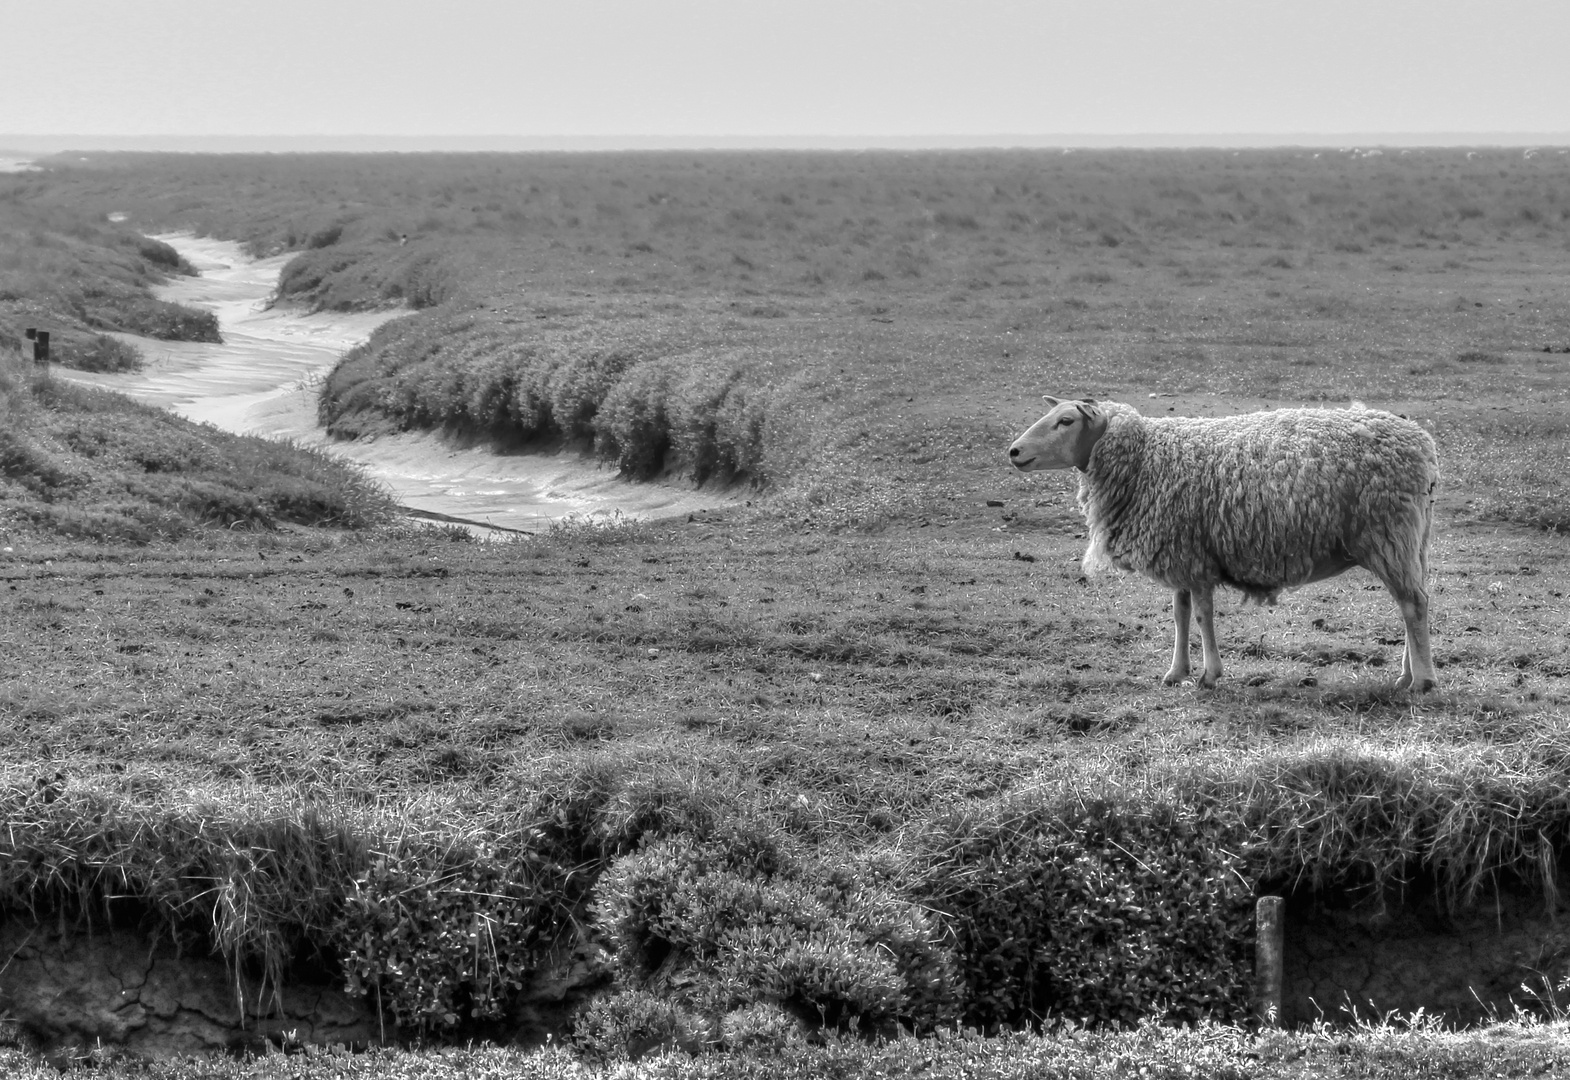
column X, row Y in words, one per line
column 1425, row 686
column 1208, row 681
column 1173, row 677
column 1404, row 682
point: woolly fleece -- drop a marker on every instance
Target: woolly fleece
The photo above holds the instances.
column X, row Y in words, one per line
column 1261, row 502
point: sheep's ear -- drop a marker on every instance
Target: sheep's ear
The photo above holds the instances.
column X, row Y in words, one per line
column 1090, row 433
column 1089, row 400
column 1050, row 400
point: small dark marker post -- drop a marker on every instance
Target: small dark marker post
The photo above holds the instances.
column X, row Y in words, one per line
column 1269, row 947
column 40, row 340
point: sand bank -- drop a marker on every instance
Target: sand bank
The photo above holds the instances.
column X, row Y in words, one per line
column 263, row 379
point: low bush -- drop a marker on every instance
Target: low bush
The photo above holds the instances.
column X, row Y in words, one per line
column 442, row 936
column 645, row 406
column 632, row 1023
column 1103, row 911
column 97, row 352
column 580, row 385
column 695, row 401
column 739, row 921
column 630, row 424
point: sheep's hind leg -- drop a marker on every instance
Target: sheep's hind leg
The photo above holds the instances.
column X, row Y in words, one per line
column 1417, row 664
column 1205, row 608
column 1182, row 606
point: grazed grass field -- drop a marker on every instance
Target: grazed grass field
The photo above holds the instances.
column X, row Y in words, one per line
column 367, row 665
column 892, row 650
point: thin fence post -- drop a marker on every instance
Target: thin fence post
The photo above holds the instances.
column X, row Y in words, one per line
column 40, row 340
column 1269, row 947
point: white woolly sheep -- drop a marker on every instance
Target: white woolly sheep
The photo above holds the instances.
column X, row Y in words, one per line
column 1261, row 502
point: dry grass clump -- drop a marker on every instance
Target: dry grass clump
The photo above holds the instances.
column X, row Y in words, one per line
column 1350, row 814
column 252, row 877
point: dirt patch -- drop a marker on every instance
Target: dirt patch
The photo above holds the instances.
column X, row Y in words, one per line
column 1411, row 953
column 69, row 991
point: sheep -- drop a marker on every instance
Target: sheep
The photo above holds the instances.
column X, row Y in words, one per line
column 1260, row 502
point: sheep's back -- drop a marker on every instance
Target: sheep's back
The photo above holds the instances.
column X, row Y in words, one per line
column 1255, row 501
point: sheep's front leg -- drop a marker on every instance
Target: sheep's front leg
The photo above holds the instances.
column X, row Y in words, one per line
column 1182, row 607
column 1205, row 608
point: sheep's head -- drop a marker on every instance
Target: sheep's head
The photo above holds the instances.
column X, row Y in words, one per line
column 1062, row 438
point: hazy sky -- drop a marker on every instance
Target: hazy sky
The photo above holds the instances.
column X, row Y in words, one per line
column 807, row 67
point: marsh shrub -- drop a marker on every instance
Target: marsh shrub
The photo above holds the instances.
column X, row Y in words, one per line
column 1099, row 912
column 100, row 352
column 173, row 322
column 685, row 413
column 696, row 397
column 308, row 273
column 530, row 407
column 578, row 387
column 490, row 391
column 738, row 430
column 441, row 937
column 326, row 236
column 631, row 1023
column 760, row 1027
column 630, row 426
column 739, row 921
column 422, row 280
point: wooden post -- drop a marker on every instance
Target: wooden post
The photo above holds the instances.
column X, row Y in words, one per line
column 40, row 340
column 1269, row 947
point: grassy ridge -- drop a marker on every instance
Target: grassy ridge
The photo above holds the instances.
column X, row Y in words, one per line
column 644, row 398
column 1093, row 900
column 63, row 272
column 80, row 462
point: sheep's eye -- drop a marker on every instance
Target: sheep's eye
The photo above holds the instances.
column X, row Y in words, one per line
column 1065, row 421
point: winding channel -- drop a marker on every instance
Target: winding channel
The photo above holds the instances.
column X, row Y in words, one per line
column 263, row 380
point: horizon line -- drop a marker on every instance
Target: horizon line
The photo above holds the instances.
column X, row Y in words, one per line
column 361, row 142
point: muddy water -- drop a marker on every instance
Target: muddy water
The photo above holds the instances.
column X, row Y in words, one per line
column 263, row 380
